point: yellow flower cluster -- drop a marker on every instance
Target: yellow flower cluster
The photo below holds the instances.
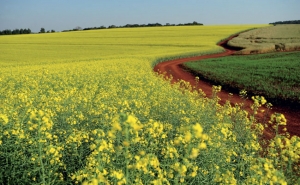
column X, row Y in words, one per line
column 142, row 157
column 258, row 101
column 267, row 173
column 4, row 119
column 277, row 119
column 91, row 111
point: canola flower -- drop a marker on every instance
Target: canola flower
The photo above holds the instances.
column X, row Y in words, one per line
column 95, row 115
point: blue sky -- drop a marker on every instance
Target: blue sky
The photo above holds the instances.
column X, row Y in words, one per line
column 67, row 14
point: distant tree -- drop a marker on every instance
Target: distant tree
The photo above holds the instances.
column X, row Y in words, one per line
column 42, row 30
column 77, row 28
column 154, row 24
column 286, row 22
column 112, row 26
column 7, row 32
column 15, row 31
column 25, row 31
column 95, row 28
column 48, row 31
column 132, row 25
column 190, row 24
column 52, row 31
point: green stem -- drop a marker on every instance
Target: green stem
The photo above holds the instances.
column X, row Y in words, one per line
column 40, row 154
column 127, row 152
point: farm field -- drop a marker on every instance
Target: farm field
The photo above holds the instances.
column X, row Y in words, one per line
column 145, row 43
column 273, row 75
column 86, row 108
column 268, row 39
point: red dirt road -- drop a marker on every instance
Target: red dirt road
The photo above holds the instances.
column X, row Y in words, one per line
column 174, row 68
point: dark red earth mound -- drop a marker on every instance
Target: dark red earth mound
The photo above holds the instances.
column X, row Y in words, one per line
column 174, row 68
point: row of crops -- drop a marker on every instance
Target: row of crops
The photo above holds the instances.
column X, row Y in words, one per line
column 86, row 108
column 274, row 75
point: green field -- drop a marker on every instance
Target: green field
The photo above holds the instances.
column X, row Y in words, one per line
column 273, row 75
column 86, row 107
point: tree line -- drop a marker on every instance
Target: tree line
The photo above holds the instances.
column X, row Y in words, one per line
column 15, row 31
column 135, row 26
column 286, row 22
column 158, row 24
column 78, row 28
column 22, row 31
column 44, row 31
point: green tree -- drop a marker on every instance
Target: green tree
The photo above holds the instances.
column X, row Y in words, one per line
column 16, row 31
column 77, row 28
column 42, row 30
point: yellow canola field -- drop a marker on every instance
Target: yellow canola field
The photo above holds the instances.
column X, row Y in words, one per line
column 85, row 107
column 148, row 43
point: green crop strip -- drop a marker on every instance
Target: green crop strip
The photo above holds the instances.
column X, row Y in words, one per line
column 274, row 75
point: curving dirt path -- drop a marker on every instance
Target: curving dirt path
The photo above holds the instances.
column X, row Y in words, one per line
column 174, row 68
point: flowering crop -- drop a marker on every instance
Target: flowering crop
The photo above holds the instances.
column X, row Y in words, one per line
column 97, row 114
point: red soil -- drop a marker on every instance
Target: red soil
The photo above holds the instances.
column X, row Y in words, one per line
column 174, row 68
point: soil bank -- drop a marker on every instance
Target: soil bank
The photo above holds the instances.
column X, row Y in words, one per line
column 175, row 68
